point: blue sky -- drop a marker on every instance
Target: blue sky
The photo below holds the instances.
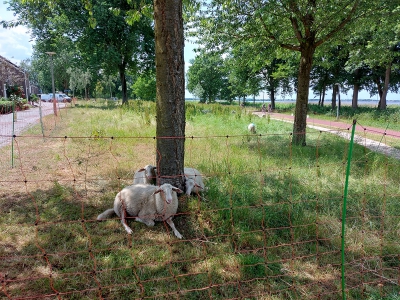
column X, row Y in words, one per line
column 16, row 45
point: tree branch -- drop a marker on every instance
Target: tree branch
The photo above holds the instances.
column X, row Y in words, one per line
column 340, row 26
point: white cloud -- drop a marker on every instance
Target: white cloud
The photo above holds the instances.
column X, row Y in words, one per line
column 15, row 42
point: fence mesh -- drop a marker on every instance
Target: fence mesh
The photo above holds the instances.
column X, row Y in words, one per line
column 268, row 227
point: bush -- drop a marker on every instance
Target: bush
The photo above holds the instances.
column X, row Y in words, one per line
column 6, row 106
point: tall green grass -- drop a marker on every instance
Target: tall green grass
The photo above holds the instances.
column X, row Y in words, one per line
column 267, row 227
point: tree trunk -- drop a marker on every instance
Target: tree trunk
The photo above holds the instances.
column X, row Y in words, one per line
column 380, row 90
column 333, row 97
column 123, row 83
column 170, row 104
column 272, row 95
column 354, row 101
column 300, row 118
column 356, row 88
column 320, row 98
column 323, row 95
column 382, row 102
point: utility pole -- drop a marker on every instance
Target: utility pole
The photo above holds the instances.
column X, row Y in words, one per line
column 52, row 83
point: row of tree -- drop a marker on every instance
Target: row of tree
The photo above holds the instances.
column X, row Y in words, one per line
column 97, row 46
column 291, row 44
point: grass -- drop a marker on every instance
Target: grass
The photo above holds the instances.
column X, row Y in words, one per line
column 270, row 227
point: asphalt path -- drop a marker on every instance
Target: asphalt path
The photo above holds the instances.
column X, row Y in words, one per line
column 343, row 129
column 24, row 120
column 335, row 124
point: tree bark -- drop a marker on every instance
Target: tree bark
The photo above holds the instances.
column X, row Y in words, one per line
column 354, row 100
column 356, row 88
column 272, row 95
column 383, row 102
column 123, row 83
column 334, row 97
column 300, row 118
column 170, row 106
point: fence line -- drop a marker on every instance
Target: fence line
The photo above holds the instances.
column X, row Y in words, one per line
column 270, row 227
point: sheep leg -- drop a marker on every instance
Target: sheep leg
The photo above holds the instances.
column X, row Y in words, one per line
column 123, row 221
column 172, row 225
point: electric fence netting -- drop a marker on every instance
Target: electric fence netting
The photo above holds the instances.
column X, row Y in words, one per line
column 269, row 224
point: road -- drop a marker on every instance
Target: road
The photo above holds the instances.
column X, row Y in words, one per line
column 340, row 127
column 24, row 120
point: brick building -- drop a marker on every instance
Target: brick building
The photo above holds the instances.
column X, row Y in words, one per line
column 11, row 75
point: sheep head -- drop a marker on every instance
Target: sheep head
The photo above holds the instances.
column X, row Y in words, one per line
column 167, row 189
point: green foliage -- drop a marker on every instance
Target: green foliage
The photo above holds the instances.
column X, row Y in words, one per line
column 6, row 106
column 145, row 86
column 207, row 77
column 16, row 91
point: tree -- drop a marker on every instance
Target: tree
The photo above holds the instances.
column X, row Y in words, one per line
column 109, row 35
column 170, row 77
column 145, row 86
column 208, row 71
column 376, row 45
column 294, row 25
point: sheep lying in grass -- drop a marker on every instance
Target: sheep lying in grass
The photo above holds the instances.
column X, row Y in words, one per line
column 146, row 175
column 193, row 181
column 147, row 203
column 252, row 128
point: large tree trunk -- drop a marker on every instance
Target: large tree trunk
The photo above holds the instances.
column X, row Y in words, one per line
column 170, row 78
column 383, row 102
column 300, row 118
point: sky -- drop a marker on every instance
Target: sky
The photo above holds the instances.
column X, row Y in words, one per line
column 16, row 45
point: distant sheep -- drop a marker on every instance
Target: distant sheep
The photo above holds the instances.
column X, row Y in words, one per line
column 193, row 181
column 146, row 175
column 252, row 128
column 147, row 203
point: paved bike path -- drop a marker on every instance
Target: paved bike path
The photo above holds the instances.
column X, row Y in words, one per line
column 334, row 124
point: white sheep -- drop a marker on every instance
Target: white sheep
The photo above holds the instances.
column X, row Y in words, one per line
column 193, row 181
column 146, row 203
column 252, row 128
column 146, row 175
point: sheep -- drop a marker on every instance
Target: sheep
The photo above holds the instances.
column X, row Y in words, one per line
column 252, row 128
column 146, row 203
column 146, row 175
column 193, row 181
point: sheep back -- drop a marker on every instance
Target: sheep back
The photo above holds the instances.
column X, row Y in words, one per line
column 192, row 173
column 141, row 201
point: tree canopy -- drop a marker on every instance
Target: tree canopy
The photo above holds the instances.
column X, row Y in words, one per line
column 287, row 25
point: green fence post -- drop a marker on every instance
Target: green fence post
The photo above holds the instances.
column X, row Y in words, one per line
column 346, row 186
column 13, row 132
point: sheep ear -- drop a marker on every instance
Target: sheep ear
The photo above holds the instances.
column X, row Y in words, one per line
column 175, row 189
column 141, row 170
column 157, row 191
column 196, row 185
